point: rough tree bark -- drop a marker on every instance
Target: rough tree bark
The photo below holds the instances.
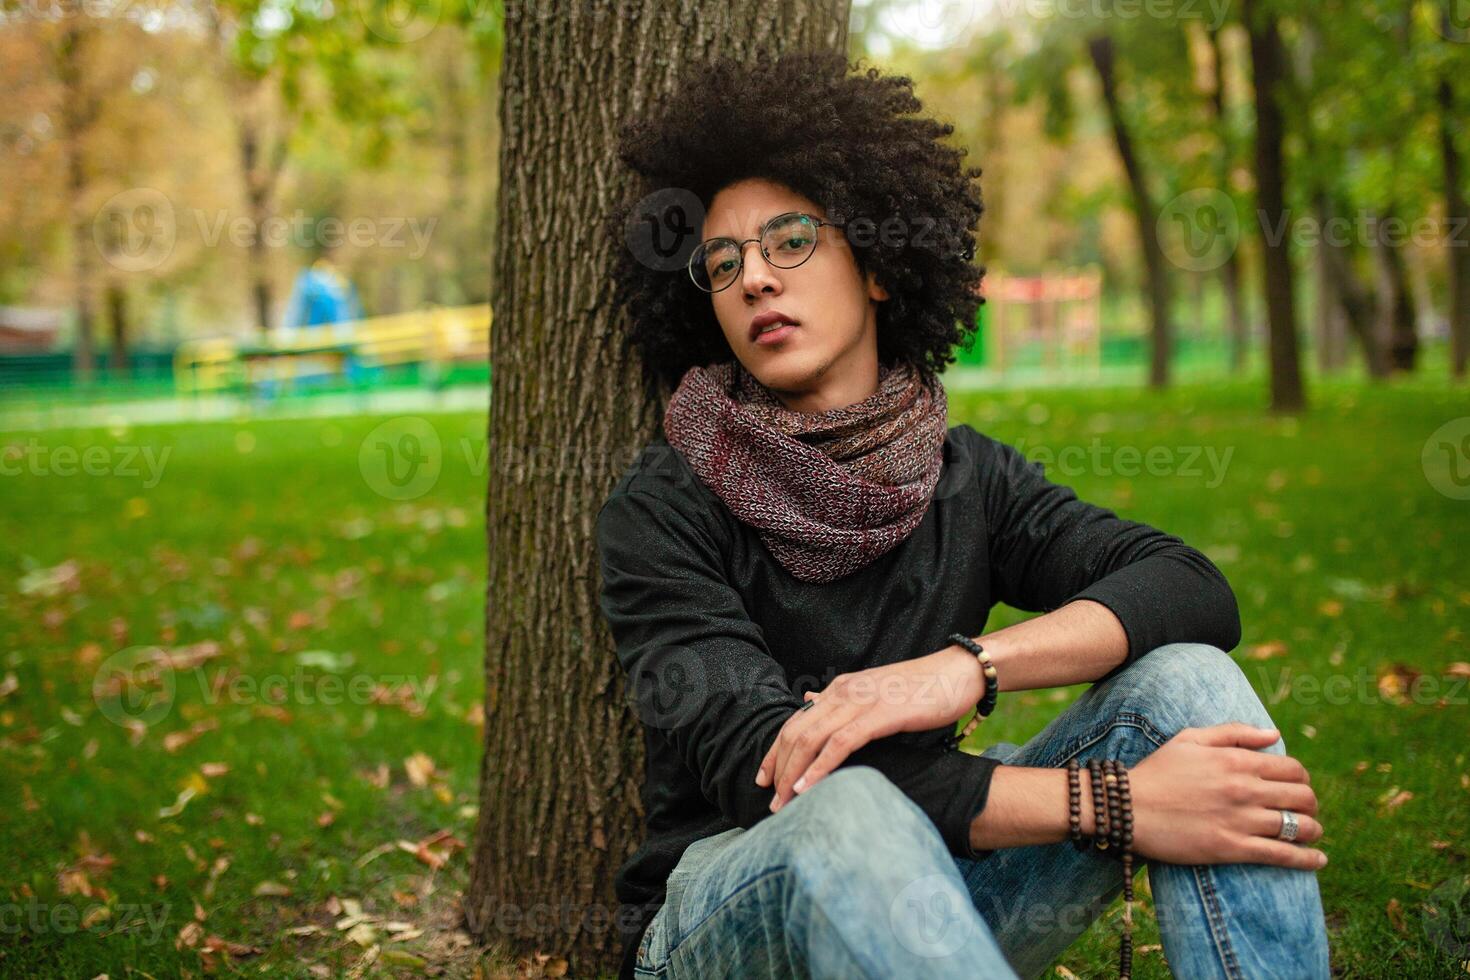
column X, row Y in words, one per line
column 1288, row 393
column 1104, row 58
column 563, row 763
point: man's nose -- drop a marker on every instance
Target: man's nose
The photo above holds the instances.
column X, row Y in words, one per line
column 755, row 272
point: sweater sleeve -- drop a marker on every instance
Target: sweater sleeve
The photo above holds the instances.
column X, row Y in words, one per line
column 1048, row 548
column 698, row 671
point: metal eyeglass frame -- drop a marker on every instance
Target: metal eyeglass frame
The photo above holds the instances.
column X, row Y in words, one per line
column 817, row 223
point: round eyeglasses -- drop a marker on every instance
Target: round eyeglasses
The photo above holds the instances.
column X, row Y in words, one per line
column 786, row 241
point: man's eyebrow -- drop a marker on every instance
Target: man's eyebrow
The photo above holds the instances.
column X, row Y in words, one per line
column 762, row 222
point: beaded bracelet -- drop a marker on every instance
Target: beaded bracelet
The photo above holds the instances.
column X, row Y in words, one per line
column 1112, row 832
column 987, row 700
column 1074, row 803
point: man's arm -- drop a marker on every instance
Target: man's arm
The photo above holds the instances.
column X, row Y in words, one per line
column 1049, row 551
column 1082, row 641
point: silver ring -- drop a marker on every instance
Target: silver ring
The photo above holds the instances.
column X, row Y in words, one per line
column 1289, row 826
column 807, row 705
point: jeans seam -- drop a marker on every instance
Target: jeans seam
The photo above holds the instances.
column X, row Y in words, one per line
column 1122, row 719
column 734, row 893
column 1218, row 933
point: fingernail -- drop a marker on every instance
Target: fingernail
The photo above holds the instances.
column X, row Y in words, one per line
column 800, row 784
column 775, row 805
column 760, row 778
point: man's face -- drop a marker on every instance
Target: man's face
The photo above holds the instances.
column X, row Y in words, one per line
column 830, row 358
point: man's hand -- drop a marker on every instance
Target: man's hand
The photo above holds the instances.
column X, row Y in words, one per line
column 1207, row 796
column 909, row 696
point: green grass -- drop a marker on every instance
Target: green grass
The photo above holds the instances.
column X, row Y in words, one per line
column 268, row 540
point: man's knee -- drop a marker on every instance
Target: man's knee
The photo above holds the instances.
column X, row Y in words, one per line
column 853, row 804
column 1195, row 684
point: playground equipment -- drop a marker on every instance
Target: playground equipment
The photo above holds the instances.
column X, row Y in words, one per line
column 433, row 339
column 1053, row 322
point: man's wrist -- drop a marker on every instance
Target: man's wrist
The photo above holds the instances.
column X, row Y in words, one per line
column 970, row 684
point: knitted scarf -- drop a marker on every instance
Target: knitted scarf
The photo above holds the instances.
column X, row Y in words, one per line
column 829, row 491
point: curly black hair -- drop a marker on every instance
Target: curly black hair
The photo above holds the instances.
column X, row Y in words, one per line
column 849, row 142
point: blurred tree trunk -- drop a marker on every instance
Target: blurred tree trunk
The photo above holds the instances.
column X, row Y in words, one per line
column 1457, row 214
column 117, row 315
column 1104, row 59
column 79, row 110
column 1397, row 326
column 262, row 158
column 1230, row 277
column 560, row 807
column 1268, row 63
column 1348, row 292
column 1330, row 320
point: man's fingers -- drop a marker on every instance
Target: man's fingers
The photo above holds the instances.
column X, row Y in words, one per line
column 840, row 744
column 1236, row 733
column 1282, row 768
column 807, row 735
column 1262, row 850
column 1267, row 824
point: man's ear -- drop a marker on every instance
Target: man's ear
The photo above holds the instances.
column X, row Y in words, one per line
column 876, row 291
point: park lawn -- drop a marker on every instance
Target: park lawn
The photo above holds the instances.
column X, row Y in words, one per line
column 326, row 643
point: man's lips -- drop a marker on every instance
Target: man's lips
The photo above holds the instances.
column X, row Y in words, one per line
column 762, row 320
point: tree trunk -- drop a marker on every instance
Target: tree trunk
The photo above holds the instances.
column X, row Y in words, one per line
column 560, row 805
column 1288, row 393
column 1331, row 329
column 1104, row 58
column 1457, row 214
column 78, row 112
column 1357, row 307
column 1397, row 318
column 1230, row 277
column 117, row 314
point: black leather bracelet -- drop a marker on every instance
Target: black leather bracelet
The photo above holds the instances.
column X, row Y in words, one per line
column 987, row 700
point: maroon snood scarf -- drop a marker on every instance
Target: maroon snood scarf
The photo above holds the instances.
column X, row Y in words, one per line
column 828, row 491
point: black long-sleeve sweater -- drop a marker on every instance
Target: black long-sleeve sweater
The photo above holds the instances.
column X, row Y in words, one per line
column 719, row 642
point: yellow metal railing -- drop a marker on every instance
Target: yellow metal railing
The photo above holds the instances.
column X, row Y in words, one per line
column 437, row 336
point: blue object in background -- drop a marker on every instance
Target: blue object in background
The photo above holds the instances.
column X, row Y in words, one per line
column 321, row 295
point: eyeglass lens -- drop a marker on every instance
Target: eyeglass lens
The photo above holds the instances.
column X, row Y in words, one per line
column 787, row 242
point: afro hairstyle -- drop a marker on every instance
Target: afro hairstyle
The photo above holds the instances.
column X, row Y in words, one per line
column 847, row 138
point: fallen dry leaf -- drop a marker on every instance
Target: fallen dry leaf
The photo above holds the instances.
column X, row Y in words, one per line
column 1265, row 651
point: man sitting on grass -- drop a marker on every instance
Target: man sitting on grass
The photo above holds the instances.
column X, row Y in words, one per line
column 785, row 564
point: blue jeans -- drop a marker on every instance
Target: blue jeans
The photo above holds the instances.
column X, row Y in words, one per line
column 852, row 879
